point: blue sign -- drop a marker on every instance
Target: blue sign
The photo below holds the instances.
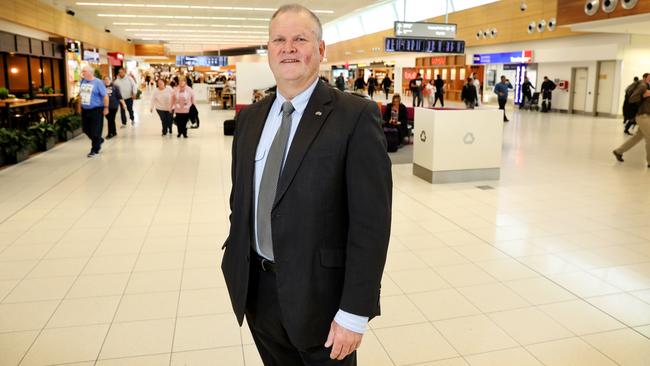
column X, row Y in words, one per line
column 202, row 60
column 518, row 57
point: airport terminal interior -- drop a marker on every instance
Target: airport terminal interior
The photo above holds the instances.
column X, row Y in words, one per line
column 523, row 244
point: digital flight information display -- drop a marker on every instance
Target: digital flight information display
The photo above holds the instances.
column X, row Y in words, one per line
column 423, row 45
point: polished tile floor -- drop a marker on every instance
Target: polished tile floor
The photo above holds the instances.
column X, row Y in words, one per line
column 114, row 260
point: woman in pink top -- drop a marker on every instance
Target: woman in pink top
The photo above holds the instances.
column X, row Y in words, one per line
column 162, row 102
column 182, row 100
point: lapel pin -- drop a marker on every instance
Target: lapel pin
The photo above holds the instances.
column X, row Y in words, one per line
column 319, row 113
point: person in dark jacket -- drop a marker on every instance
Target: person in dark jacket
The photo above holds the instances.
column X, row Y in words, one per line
column 194, row 113
column 547, row 88
column 469, row 95
column 440, row 91
column 395, row 116
column 114, row 101
column 385, row 84
column 372, row 85
column 630, row 109
column 526, row 92
column 359, row 84
column 416, row 86
column 340, row 82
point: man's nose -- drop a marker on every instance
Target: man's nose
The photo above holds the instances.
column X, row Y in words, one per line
column 289, row 47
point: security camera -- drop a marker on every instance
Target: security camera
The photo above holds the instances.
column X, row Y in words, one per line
column 523, row 6
column 69, row 11
column 107, row 30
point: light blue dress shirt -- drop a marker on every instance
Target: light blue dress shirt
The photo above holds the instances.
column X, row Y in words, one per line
column 349, row 321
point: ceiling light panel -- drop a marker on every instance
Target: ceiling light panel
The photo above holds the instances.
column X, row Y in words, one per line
column 202, row 7
column 194, row 31
column 176, row 17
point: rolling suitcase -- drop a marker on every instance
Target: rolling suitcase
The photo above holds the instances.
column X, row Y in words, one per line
column 229, row 127
column 392, row 138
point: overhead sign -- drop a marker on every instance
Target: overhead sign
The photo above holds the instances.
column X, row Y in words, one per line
column 423, row 45
column 202, row 60
column 425, row 30
column 91, row 56
column 518, row 57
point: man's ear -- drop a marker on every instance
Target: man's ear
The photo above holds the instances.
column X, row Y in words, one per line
column 321, row 49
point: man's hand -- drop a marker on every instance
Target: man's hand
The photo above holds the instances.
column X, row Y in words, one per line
column 342, row 341
column 105, row 110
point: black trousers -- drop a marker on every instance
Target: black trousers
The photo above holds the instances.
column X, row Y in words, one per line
column 371, row 92
column 417, row 95
column 386, row 90
column 439, row 96
column 92, row 122
column 129, row 107
column 110, row 122
column 502, row 105
column 524, row 96
column 181, row 123
column 166, row 120
column 265, row 322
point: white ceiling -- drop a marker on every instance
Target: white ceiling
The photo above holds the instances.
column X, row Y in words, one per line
column 633, row 24
column 194, row 25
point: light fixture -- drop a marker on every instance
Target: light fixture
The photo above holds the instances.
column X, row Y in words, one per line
column 552, row 23
column 14, row 70
column 177, row 17
column 493, row 32
column 629, row 4
column 531, row 27
column 485, row 33
column 541, row 25
column 609, row 5
column 591, row 7
column 478, row 34
column 201, row 7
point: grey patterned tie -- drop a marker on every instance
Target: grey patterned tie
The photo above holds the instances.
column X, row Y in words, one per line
column 269, row 184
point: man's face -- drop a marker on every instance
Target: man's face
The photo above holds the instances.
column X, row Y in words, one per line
column 503, row 79
column 107, row 81
column 294, row 49
column 85, row 73
column 121, row 73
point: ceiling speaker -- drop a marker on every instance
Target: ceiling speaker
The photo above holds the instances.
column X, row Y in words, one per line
column 552, row 23
column 591, row 7
column 541, row 26
column 609, row 5
column 485, row 33
column 478, row 34
column 629, row 4
column 493, row 32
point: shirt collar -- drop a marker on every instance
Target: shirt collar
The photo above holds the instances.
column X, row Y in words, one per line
column 299, row 101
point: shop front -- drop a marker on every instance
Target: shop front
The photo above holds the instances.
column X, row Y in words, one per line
column 452, row 69
column 514, row 65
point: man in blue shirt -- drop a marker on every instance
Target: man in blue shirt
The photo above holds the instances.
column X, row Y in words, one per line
column 501, row 90
column 94, row 106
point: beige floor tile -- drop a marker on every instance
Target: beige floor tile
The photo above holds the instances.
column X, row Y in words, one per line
column 147, row 306
column 99, row 285
column 643, row 295
column 584, row 284
column 465, row 275
column 493, row 297
column 6, row 287
column 458, row 237
column 64, row 251
column 580, row 317
column 204, row 302
column 155, row 244
column 25, row 316
column 624, row 277
column 207, row 331
column 440, row 257
column 209, row 357
column 58, row 268
column 418, row 280
column 203, row 259
column 155, row 281
column 414, row 343
column 474, row 334
column 456, row 361
column 117, row 247
column 528, row 326
column 13, row 346
column 66, row 345
column 548, row 264
column 539, row 291
column 388, row 287
column 86, row 311
column 395, row 311
column 443, row 304
column 568, row 352
column 401, row 261
column 645, row 330
column 625, row 346
column 40, row 289
column 508, row 357
column 25, row 252
column 506, row 269
column 624, row 307
column 138, row 338
column 202, row 278
column 160, row 262
column 153, row 360
column 16, row 270
column 480, row 252
column 251, row 356
column 421, row 242
column 371, row 352
column 110, row 265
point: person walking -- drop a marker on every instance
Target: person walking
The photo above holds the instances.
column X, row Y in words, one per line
column 182, row 100
column 440, row 91
column 477, row 85
column 385, row 84
column 416, row 86
column 501, row 90
column 359, row 84
column 547, row 94
column 310, row 208
column 340, row 82
column 128, row 89
column 642, row 94
column 630, row 108
column 114, row 102
column 372, row 85
column 468, row 94
column 429, row 92
column 161, row 101
column 526, row 92
column 94, row 106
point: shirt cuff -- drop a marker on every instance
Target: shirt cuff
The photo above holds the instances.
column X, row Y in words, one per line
column 351, row 322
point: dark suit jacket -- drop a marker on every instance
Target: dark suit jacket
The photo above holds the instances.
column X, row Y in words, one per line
column 331, row 217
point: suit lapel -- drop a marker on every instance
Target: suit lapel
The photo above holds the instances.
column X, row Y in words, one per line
column 311, row 122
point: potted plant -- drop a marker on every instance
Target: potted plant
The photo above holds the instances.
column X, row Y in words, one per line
column 15, row 145
column 44, row 135
column 67, row 127
column 48, row 89
column 4, row 93
column 75, row 123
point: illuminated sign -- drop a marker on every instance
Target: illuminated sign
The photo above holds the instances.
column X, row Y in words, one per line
column 425, row 30
column 202, row 60
column 518, row 57
column 423, row 45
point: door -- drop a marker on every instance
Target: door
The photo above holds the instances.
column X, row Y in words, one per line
column 605, row 87
column 580, row 90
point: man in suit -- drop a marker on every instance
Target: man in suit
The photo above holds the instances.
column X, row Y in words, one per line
column 310, row 208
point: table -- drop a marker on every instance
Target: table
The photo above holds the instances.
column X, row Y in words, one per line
column 26, row 107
